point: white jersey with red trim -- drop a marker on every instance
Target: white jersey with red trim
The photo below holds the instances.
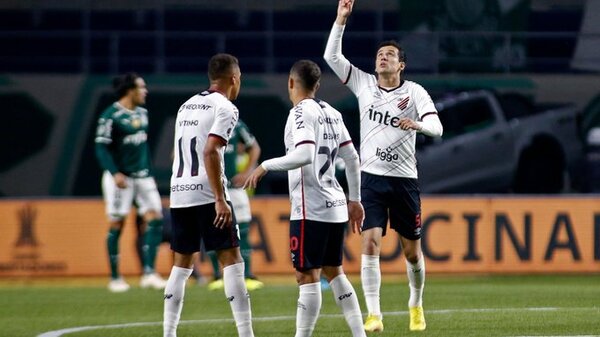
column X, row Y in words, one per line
column 208, row 114
column 315, row 193
column 385, row 149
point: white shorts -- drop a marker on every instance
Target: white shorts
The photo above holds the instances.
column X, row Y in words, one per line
column 241, row 204
column 119, row 200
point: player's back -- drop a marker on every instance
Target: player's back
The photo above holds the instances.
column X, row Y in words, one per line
column 203, row 115
column 314, row 187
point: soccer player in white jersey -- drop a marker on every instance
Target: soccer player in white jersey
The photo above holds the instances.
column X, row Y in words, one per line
column 392, row 111
column 315, row 135
column 200, row 204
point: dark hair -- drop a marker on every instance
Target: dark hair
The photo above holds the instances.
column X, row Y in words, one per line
column 220, row 65
column 123, row 83
column 401, row 53
column 308, row 72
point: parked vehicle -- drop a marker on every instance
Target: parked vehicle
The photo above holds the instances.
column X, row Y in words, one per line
column 495, row 143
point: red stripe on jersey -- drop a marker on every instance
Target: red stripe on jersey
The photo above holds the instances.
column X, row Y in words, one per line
column 429, row 113
column 302, row 221
column 223, row 141
column 306, row 142
column 346, row 143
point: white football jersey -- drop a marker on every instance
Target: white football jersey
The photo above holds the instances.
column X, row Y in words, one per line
column 385, row 149
column 206, row 114
column 315, row 193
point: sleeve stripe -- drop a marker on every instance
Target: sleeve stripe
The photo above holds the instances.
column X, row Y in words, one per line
column 429, row 113
column 348, row 78
column 223, row 141
column 305, row 142
column 346, row 143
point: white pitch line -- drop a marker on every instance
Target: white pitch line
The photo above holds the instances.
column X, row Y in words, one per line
column 61, row 332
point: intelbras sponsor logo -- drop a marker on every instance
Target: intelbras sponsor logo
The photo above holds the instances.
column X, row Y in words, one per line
column 186, row 187
column 386, row 155
column 335, row 203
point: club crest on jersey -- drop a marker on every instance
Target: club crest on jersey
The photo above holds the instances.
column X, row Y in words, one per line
column 136, row 123
column 403, row 103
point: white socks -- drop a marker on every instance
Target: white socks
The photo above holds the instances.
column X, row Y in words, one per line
column 239, row 300
column 345, row 298
column 309, row 305
column 235, row 291
column 370, row 276
column 416, row 281
column 174, row 292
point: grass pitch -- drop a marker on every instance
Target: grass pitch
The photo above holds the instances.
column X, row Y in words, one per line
column 536, row 305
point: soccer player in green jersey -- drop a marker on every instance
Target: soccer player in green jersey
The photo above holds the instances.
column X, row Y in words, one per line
column 236, row 175
column 122, row 152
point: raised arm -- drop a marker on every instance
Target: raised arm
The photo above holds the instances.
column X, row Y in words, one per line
column 333, row 51
column 343, row 12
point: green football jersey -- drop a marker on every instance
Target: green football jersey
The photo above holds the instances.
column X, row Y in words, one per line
column 241, row 134
column 121, row 141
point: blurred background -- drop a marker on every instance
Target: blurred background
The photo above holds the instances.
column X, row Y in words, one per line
column 511, row 188
column 516, row 83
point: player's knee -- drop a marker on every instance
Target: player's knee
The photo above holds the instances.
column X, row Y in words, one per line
column 412, row 256
column 332, row 272
column 371, row 246
column 308, row 276
column 116, row 222
column 229, row 256
column 152, row 215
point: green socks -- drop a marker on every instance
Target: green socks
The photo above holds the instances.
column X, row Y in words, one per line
column 215, row 264
column 112, row 243
column 245, row 249
column 152, row 239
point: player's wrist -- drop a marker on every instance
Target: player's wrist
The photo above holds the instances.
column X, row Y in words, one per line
column 341, row 20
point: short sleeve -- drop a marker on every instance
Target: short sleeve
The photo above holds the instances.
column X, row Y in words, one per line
column 225, row 120
column 423, row 101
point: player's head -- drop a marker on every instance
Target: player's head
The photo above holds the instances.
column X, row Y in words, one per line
column 390, row 58
column 130, row 86
column 224, row 72
column 304, row 76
